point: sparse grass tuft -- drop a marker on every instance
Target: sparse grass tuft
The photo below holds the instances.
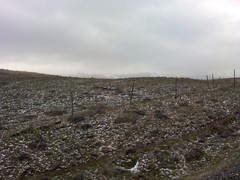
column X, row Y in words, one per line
column 97, row 109
column 140, row 112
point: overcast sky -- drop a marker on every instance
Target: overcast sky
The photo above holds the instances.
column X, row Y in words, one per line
column 169, row 37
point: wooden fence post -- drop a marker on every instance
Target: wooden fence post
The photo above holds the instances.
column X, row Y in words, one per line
column 176, row 88
column 72, row 103
column 131, row 95
column 234, row 80
column 207, row 82
column 213, row 81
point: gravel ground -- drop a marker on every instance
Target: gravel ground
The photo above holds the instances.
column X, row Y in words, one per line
column 232, row 173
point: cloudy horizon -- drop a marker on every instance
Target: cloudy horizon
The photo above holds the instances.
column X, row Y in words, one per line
column 178, row 38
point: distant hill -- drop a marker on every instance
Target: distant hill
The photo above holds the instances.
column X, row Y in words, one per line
column 117, row 76
column 7, row 76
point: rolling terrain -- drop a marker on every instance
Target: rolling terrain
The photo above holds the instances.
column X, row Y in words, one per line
column 170, row 129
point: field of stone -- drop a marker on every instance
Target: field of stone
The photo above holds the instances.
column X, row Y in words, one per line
column 172, row 128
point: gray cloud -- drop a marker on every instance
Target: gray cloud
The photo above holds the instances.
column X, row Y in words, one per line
column 186, row 37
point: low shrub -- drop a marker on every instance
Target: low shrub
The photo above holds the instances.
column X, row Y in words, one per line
column 30, row 117
column 155, row 133
column 91, row 112
column 78, row 177
column 140, row 112
column 130, row 151
column 184, row 104
column 44, row 128
column 147, row 99
column 97, row 109
column 85, row 127
column 130, row 164
column 159, row 114
column 23, row 157
column 195, row 154
column 38, row 144
column 55, row 112
column 125, row 119
column 228, row 121
column 221, row 131
column 118, row 90
column 77, row 117
column 1, row 127
column 29, row 130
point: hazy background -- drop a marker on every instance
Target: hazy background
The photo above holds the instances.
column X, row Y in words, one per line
column 168, row 37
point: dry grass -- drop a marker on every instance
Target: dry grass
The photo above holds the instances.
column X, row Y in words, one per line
column 160, row 131
column 56, row 112
column 77, row 117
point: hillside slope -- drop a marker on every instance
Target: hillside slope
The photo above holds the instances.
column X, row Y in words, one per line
column 161, row 134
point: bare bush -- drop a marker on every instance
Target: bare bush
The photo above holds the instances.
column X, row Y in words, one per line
column 77, row 117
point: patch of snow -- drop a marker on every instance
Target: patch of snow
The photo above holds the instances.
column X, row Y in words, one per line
column 135, row 168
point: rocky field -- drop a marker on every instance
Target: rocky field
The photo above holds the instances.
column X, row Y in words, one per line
column 166, row 128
